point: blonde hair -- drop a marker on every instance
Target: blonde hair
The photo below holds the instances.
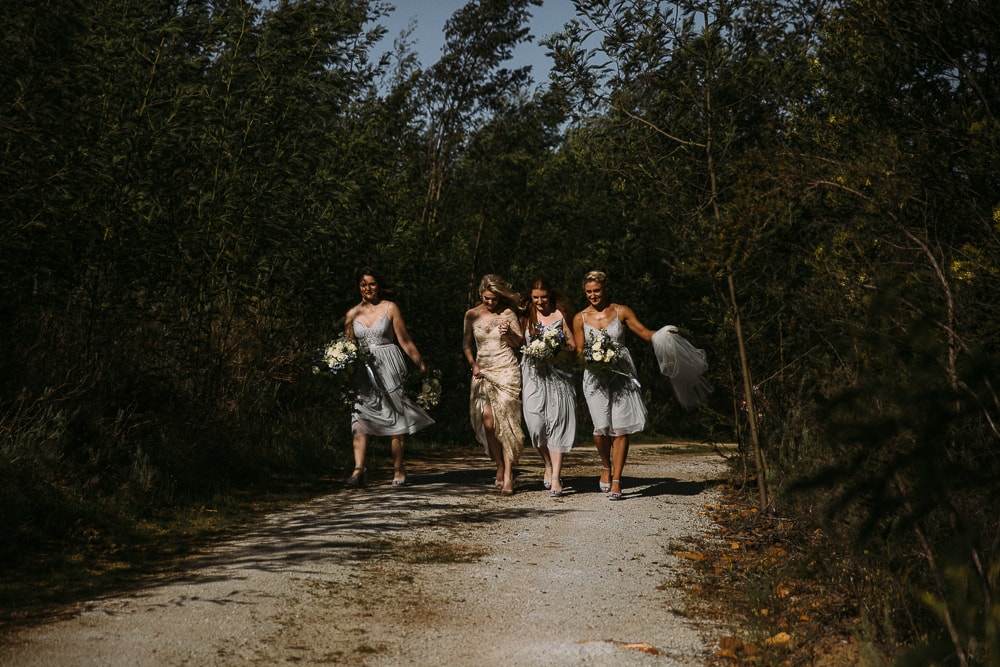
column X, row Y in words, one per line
column 595, row 277
column 491, row 282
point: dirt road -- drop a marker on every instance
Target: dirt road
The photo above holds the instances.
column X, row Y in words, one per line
column 442, row 572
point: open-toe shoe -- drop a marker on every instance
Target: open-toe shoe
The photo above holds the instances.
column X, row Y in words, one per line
column 604, row 486
column 359, row 477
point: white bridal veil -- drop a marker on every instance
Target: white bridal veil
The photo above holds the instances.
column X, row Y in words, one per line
column 684, row 364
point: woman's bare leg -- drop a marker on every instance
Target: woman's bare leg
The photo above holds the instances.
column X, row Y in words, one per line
column 505, row 466
column 495, row 446
column 358, row 475
column 398, row 444
column 556, row 458
column 619, row 454
column 603, row 445
column 360, row 449
column 507, row 489
column 547, row 456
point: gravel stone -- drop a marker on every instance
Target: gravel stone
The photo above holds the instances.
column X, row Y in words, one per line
column 441, row 572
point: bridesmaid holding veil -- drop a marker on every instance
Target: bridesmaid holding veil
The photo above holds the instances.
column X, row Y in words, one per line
column 491, row 334
column 613, row 397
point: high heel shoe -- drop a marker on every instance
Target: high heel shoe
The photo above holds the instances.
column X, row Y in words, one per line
column 399, row 481
column 507, row 491
column 615, row 495
column 359, row 477
column 604, row 486
column 554, row 492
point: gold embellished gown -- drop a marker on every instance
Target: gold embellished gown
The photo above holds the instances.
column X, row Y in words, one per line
column 499, row 385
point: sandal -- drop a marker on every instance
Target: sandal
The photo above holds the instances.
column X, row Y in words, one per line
column 399, row 481
column 359, row 477
column 615, row 495
column 554, row 492
column 604, row 486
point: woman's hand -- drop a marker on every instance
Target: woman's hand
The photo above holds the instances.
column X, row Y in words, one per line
column 509, row 333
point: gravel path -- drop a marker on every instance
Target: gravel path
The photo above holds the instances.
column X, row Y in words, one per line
column 442, row 572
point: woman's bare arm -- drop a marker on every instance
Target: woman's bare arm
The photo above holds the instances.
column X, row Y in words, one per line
column 626, row 315
column 403, row 337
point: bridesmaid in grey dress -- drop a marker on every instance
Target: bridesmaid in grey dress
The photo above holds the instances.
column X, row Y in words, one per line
column 548, row 397
column 381, row 408
column 613, row 398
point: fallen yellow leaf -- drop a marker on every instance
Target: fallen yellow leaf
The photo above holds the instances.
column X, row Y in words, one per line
column 629, row 646
column 779, row 639
column 638, row 646
column 729, row 643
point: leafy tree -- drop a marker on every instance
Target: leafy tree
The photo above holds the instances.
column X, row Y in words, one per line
column 691, row 99
column 904, row 151
column 174, row 190
column 469, row 81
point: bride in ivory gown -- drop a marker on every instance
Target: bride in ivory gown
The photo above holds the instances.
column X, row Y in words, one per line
column 491, row 333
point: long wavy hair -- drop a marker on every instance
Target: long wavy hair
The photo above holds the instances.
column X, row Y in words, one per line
column 555, row 297
column 385, row 288
column 508, row 298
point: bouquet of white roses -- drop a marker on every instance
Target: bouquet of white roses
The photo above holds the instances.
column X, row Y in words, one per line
column 544, row 347
column 601, row 353
column 342, row 359
column 339, row 355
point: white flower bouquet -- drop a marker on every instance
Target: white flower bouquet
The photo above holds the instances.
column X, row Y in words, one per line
column 340, row 355
column 339, row 361
column 601, row 353
column 546, row 346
